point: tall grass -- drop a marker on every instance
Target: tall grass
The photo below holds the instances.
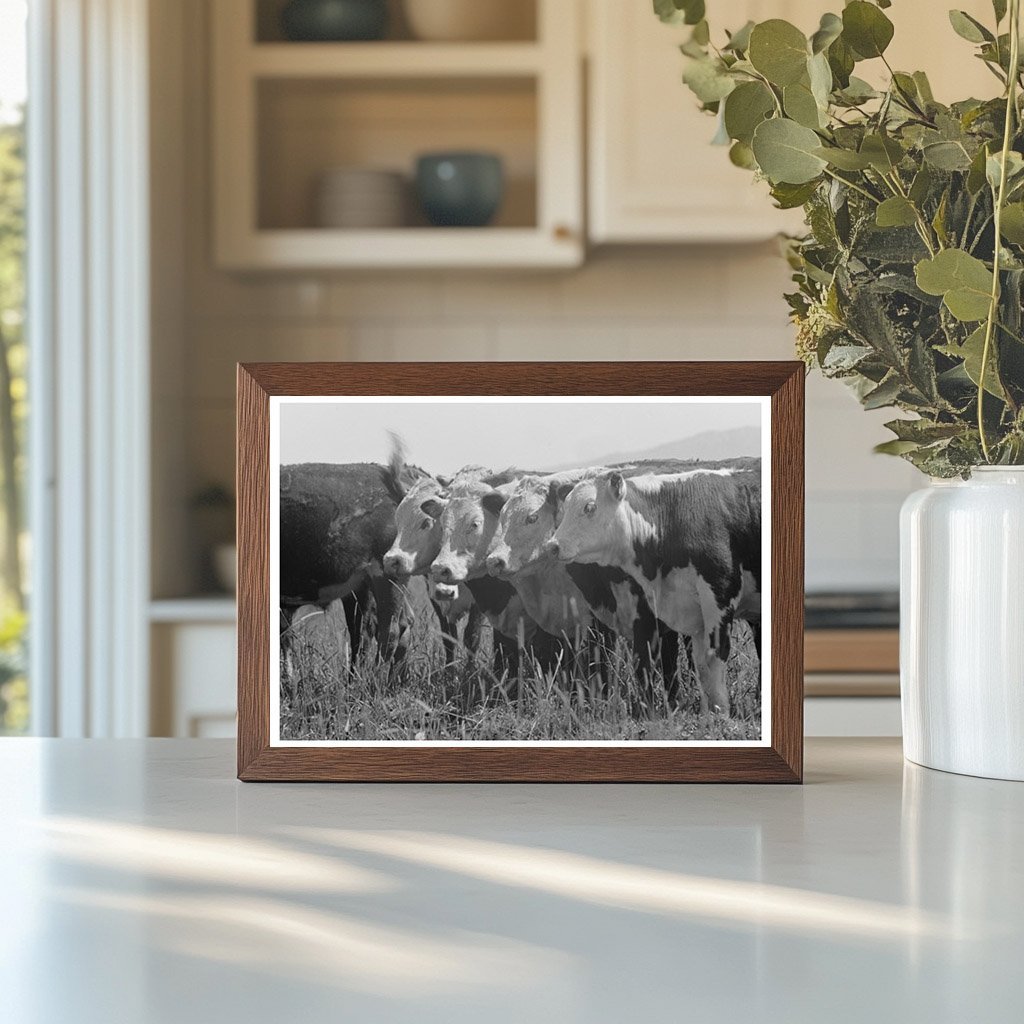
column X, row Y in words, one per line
column 323, row 697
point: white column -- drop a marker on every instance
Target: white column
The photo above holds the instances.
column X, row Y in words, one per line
column 88, row 320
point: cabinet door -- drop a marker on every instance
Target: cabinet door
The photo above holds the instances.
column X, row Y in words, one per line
column 653, row 174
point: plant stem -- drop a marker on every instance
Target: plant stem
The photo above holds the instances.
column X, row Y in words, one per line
column 993, row 309
column 855, row 187
column 922, row 225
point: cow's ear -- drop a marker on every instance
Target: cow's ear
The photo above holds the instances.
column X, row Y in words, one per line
column 493, row 502
column 617, row 486
column 433, row 508
column 557, row 493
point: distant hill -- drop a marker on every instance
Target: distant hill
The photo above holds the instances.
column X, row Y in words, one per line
column 710, row 444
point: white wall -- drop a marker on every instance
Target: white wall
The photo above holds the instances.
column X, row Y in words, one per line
column 664, row 303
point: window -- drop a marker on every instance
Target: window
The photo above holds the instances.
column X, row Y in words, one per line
column 14, row 548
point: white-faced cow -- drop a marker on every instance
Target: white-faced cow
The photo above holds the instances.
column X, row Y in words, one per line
column 418, row 542
column 528, row 521
column 336, row 523
column 467, row 525
column 692, row 540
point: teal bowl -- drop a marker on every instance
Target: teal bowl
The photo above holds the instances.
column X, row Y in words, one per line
column 334, row 21
column 460, row 190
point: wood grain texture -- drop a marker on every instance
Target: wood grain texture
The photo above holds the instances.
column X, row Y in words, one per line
column 852, row 650
column 781, row 762
column 252, row 485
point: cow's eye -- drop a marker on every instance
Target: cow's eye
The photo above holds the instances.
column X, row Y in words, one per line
column 532, row 517
column 426, row 524
column 590, row 508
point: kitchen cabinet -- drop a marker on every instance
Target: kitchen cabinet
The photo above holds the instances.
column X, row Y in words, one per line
column 286, row 113
column 192, row 647
column 653, row 175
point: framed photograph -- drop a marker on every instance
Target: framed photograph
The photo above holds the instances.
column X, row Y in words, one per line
column 519, row 572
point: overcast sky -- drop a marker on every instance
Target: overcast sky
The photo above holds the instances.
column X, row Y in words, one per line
column 444, row 437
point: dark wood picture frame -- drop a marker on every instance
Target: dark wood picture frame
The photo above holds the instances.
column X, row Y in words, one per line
column 781, row 761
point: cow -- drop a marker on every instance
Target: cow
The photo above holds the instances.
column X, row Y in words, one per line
column 527, row 522
column 558, row 616
column 418, row 542
column 692, row 540
column 467, row 526
column 336, row 524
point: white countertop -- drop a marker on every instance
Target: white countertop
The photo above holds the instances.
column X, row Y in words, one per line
column 142, row 884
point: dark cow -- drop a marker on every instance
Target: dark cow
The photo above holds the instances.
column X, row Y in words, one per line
column 336, row 524
column 692, row 540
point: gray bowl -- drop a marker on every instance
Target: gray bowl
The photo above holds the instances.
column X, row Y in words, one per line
column 461, row 190
column 334, row 20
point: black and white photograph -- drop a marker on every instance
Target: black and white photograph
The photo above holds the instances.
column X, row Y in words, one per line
column 528, row 570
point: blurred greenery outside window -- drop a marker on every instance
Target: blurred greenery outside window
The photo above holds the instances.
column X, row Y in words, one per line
column 14, row 547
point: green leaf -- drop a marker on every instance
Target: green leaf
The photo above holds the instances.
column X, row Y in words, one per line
column 778, row 50
column 741, row 155
column 923, row 431
column 895, row 447
column 844, row 159
column 858, row 91
column 708, row 80
column 1012, row 224
column 866, row 29
column 969, row 28
column 820, row 76
column 841, row 60
column 963, row 281
column 883, row 153
column 971, row 352
column 921, row 185
column 939, row 220
column 895, row 212
column 789, row 197
column 947, row 156
column 800, row 105
column 739, row 41
column 745, row 108
column 785, row 152
column 976, row 172
column 829, row 30
column 676, row 12
column 885, row 394
column 924, row 87
column 1014, row 169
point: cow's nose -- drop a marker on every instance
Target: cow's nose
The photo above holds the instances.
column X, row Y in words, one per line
column 441, row 572
column 496, row 564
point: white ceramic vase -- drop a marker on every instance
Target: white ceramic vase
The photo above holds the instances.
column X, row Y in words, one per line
column 962, row 624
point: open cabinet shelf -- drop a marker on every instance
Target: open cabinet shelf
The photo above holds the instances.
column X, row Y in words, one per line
column 286, row 114
column 393, row 60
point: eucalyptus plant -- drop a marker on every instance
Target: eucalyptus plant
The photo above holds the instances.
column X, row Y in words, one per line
column 910, row 278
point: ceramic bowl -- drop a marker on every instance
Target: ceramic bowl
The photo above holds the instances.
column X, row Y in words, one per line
column 360, row 197
column 460, row 189
column 470, row 20
column 334, row 20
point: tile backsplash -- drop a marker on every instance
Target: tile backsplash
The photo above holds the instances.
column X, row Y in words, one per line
column 700, row 303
